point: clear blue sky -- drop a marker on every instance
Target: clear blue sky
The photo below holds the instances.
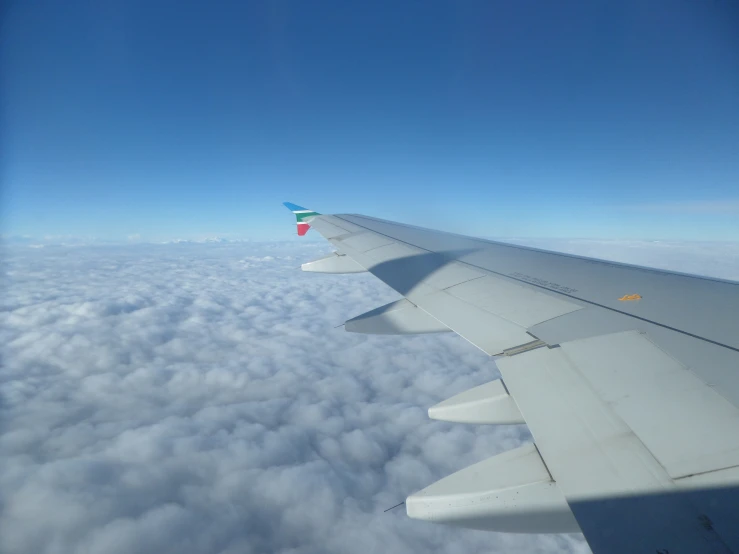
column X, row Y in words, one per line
column 497, row 118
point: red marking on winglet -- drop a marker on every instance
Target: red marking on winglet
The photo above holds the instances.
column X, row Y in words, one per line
column 303, row 229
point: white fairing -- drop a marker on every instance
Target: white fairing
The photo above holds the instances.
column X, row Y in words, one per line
column 488, row 404
column 511, row 492
column 397, row 318
column 333, row 263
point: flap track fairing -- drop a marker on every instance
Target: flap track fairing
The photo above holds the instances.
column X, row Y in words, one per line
column 397, row 318
column 334, row 263
column 489, row 403
column 510, row 493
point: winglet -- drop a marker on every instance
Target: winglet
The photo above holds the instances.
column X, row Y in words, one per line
column 302, row 215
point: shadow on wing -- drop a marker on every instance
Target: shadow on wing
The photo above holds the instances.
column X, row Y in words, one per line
column 406, row 273
column 698, row 520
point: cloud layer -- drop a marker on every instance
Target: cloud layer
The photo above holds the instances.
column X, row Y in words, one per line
column 197, row 398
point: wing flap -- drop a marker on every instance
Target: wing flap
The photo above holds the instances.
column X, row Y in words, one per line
column 610, row 478
column 661, row 401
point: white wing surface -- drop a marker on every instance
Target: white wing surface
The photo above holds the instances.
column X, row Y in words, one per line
column 628, row 378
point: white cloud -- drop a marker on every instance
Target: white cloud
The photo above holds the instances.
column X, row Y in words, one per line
column 727, row 206
column 196, row 398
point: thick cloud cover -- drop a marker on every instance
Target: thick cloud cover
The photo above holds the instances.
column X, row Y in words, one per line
column 197, row 398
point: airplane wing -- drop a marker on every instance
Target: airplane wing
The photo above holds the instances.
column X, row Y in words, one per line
column 628, row 378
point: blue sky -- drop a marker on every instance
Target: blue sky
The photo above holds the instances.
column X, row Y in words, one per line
column 191, row 119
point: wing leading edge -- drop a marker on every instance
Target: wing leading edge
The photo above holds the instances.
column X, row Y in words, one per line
column 628, row 378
